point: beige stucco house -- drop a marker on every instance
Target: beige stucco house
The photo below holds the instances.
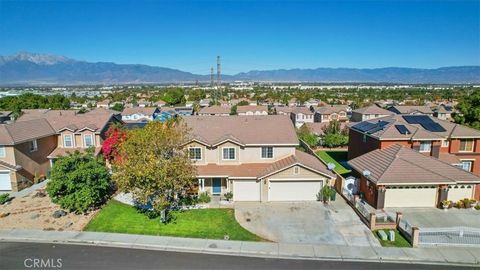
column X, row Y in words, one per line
column 254, row 157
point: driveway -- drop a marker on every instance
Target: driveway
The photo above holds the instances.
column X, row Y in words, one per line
column 435, row 218
column 305, row 222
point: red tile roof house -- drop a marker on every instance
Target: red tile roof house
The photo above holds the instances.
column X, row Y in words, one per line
column 331, row 112
column 369, row 112
column 301, row 115
column 218, row 110
column 252, row 110
column 411, row 110
column 448, row 142
column 255, row 157
column 398, row 176
column 29, row 146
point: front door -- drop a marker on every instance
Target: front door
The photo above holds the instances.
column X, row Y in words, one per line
column 216, row 185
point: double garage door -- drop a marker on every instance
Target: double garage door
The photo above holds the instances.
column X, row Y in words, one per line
column 411, row 197
column 5, row 184
column 284, row 190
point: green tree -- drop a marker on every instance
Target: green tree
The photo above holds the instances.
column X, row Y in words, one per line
column 118, row 107
column 79, row 182
column 233, row 110
column 307, row 136
column 469, row 110
column 335, row 136
column 155, row 167
column 174, row 96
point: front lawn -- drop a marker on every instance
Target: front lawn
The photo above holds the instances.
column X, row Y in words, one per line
column 335, row 157
column 200, row 223
column 400, row 241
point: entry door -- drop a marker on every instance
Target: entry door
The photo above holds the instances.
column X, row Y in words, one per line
column 216, row 185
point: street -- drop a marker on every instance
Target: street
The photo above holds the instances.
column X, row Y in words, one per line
column 48, row 256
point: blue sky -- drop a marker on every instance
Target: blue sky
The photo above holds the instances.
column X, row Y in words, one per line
column 188, row 35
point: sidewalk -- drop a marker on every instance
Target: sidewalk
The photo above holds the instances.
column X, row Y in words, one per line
column 438, row 255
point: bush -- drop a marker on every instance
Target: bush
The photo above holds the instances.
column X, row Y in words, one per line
column 4, row 198
column 187, row 200
column 477, row 206
column 460, row 204
column 326, row 193
column 204, row 198
column 79, row 182
column 228, row 196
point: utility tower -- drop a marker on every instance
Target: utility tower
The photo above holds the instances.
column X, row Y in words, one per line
column 212, row 77
column 219, row 73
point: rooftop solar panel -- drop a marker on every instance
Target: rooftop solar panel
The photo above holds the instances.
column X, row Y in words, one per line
column 417, row 119
column 402, row 129
column 433, row 127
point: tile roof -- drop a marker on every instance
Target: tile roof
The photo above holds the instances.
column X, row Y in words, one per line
column 142, row 110
column 216, row 109
column 59, row 151
column 261, row 170
column 10, row 166
column 303, row 110
column 251, row 108
column 329, row 109
column 412, row 109
column 284, row 109
column 267, row 129
column 397, row 165
column 23, row 131
column 373, row 109
column 318, row 127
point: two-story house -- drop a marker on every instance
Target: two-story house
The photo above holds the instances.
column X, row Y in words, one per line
column 331, row 112
column 369, row 112
column 137, row 114
column 255, row 157
column 411, row 110
column 252, row 110
column 301, row 115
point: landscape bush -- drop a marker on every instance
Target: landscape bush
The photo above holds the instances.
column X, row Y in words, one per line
column 204, row 197
column 4, row 198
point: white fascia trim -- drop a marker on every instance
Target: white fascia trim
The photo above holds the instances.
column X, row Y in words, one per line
column 301, row 165
column 415, row 183
column 274, row 144
column 240, row 178
column 297, row 179
column 211, row 176
column 228, row 140
column 465, row 137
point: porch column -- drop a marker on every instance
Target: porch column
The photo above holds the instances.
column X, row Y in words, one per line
column 442, row 194
column 380, row 197
column 201, row 184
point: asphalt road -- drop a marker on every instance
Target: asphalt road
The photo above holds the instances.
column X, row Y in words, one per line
column 53, row 256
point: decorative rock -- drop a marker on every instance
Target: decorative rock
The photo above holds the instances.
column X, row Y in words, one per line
column 2, row 215
column 34, row 216
column 59, row 214
column 68, row 225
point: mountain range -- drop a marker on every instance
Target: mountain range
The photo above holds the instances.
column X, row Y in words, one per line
column 47, row 69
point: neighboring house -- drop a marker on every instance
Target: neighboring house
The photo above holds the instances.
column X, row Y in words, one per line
column 233, row 102
column 204, row 102
column 139, row 113
column 252, row 110
column 217, row 110
column 283, row 110
column 255, row 158
column 369, row 112
column 443, row 112
column 331, row 112
column 166, row 113
column 301, row 115
column 397, row 176
column 159, row 104
column 184, row 111
column 5, row 116
column 293, row 102
column 189, row 104
column 104, row 104
column 29, row 146
column 411, row 110
column 312, row 103
column 453, row 143
column 144, row 103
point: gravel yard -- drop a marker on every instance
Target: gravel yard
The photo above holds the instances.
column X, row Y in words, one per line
column 35, row 211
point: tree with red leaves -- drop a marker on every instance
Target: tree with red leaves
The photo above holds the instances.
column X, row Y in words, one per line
column 116, row 134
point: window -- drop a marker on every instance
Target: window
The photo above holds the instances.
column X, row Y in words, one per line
column 425, row 147
column 2, row 151
column 195, row 153
column 445, row 143
column 467, row 165
column 67, row 141
column 295, row 170
column 33, row 146
column 229, row 153
column 267, row 152
column 88, row 140
column 466, row 145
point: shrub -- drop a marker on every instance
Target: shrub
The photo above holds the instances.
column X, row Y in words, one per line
column 228, row 196
column 4, row 198
column 204, row 197
column 460, row 204
column 477, row 207
column 79, row 182
column 446, row 203
column 327, row 192
column 187, row 200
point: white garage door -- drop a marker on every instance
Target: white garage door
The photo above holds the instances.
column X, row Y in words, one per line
column 411, row 197
column 294, row 190
column 5, row 183
column 246, row 190
column 460, row 192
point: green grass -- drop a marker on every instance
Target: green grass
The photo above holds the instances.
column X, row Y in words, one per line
column 335, row 157
column 199, row 223
column 400, row 241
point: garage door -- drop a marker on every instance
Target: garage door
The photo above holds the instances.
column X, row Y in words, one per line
column 411, row 197
column 460, row 192
column 5, row 183
column 246, row 190
column 294, row 190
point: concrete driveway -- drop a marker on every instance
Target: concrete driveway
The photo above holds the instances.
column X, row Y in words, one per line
column 305, row 222
column 435, row 218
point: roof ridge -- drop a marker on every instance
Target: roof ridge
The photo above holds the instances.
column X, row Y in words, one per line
column 389, row 165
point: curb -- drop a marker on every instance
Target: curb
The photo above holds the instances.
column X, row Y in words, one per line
column 212, row 251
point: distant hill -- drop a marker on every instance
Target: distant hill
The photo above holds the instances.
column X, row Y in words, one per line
column 37, row 69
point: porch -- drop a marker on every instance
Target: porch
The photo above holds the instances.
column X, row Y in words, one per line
column 215, row 186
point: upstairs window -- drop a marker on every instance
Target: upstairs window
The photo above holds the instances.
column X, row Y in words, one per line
column 267, row 152
column 67, row 141
column 195, row 153
column 467, row 165
column 2, row 151
column 88, row 140
column 445, row 143
column 33, row 146
column 466, row 145
column 228, row 153
column 425, row 147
